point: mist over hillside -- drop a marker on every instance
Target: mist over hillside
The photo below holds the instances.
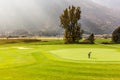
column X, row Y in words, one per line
column 114, row 4
column 43, row 15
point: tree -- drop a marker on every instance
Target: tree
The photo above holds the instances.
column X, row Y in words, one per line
column 116, row 35
column 69, row 21
column 91, row 38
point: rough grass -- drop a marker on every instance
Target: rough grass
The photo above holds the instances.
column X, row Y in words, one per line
column 99, row 40
column 37, row 63
column 13, row 41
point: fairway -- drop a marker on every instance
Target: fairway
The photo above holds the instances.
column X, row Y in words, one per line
column 98, row 54
column 14, row 56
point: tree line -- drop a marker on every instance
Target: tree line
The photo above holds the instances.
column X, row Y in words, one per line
column 72, row 28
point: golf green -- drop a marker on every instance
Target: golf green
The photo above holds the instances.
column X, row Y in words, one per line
column 97, row 54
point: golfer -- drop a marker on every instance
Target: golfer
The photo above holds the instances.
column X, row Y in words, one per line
column 89, row 55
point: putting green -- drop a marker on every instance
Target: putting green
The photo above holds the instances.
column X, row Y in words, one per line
column 98, row 54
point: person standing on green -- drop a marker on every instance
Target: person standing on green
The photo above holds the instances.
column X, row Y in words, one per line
column 89, row 55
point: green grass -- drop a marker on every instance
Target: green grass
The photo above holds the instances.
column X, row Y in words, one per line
column 56, row 61
column 103, row 40
column 98, row 54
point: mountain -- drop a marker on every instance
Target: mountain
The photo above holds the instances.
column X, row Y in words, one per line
column 99, row 19
column 43, row 15
column 115, row 4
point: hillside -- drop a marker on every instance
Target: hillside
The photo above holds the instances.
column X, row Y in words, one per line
column 115, row 4
column 42, row 15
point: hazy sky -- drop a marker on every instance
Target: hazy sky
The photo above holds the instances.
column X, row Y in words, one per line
column 20, row 12
column 28, row 13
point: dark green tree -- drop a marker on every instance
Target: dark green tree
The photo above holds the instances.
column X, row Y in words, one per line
column 69, row 21
column 116, row 35
column 91, row 39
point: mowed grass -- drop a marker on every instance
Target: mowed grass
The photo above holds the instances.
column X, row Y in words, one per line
column 97, row 54
column 56, row 61
column 14, row 56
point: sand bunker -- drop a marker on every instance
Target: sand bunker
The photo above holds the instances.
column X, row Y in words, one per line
column 22, row 48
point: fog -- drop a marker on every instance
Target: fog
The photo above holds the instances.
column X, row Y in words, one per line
column 115, row 4
column 16, row 14
column 33, row 14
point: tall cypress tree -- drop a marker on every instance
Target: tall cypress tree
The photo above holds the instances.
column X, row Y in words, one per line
column 69, row 21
